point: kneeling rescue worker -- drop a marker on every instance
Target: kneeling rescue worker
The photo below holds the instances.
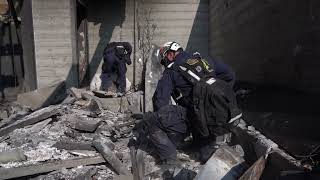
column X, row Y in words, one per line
column 203, row 91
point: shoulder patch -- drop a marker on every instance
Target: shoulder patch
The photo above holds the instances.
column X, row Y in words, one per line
column 192, row 61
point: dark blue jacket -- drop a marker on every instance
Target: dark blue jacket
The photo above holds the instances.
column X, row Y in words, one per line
column 172, row 80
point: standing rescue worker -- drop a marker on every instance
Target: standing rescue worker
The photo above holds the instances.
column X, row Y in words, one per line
column 204, row 94
column 115, row 57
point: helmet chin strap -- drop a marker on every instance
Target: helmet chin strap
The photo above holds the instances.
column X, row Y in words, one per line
column 165, row 61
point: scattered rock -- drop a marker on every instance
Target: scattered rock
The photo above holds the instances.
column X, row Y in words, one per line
column 12, row 156
column 3, row 114
column 101, row 145
column 32, row 118
column 104, row 94
column 87, row 124
column 75, row 92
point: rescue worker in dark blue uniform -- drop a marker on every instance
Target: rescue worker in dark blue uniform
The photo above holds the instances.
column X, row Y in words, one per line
column 172, row 79
column 169, row 124
column 115, row 57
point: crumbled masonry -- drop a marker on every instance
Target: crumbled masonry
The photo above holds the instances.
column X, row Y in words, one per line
column 89, row 140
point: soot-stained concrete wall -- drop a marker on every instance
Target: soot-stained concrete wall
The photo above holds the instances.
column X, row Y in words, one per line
column 268, row 42
column 54, row 41
column 184, row 21
column 109, row 21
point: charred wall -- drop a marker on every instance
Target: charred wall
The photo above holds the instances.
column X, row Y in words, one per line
column 54, row 41
column 268, row 42
column 184, row 21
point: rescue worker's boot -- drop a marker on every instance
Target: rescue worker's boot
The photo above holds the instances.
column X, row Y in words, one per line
column 170, row 168
column 207, row 150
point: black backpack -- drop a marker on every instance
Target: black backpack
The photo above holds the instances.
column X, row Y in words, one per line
column 213, row 100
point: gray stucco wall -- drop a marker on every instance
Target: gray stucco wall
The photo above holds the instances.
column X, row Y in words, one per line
column 54, row 31
column 184, row 21
column 268, row 42
column 108, row 21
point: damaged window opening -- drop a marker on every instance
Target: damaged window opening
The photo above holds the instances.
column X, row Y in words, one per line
column 145, row 89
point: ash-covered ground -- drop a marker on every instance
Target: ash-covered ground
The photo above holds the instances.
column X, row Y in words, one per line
column 62, row 137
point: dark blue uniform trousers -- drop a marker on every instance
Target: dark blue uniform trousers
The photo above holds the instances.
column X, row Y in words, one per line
column 112, row 65
column 167, row 129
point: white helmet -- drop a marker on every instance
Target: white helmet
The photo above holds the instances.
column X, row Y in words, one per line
column 172, row 46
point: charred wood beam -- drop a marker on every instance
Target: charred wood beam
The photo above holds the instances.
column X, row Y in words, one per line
column 32, row 118
column 17, row 172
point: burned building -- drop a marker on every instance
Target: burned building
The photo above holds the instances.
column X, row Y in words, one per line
column 271, row 45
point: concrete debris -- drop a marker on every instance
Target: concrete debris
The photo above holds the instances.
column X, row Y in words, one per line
column 83, row 153
column 257, row 145
column 225, row 163
column 88, row 124
column 43, row 97
column 104, row 94
column 255, row 171
column 87, row 137
column 33, row 118
column 68, row 145
column 101, row 145
column 40, row 125
column 16, row 172
column 68, row 100
column 153, row 74
column 131, row 103
column 82, row 103
column 87, row 175
column 12, row 156
column 4, row 114
column 75, row 92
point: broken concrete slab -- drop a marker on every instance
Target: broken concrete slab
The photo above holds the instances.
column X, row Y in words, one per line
column 40, row 125
column 87, row 124
column 87, row 95
column 75, row 92
column 12, row 156
column 225, row 163
column 87, row 175
column 32, row 118
column 256, row 145
column 255, row 171
column 101, row 145
column 68, row 145
column 17, row 172
column 141, row 164
column 104, row 94
column 82, row 152
column 153, row 74
column 82, row 103
column 119, row 104
column 4, row 114
column 134, row 163
column 43, row 97
column 95, row 102
column 68, row 100
column 135, row 101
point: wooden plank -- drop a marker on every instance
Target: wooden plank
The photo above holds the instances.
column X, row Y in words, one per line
column 16, row 172
column 32, row 118
column 109, row 156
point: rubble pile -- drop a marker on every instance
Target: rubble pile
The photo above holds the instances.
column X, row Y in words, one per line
column 80, row 138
